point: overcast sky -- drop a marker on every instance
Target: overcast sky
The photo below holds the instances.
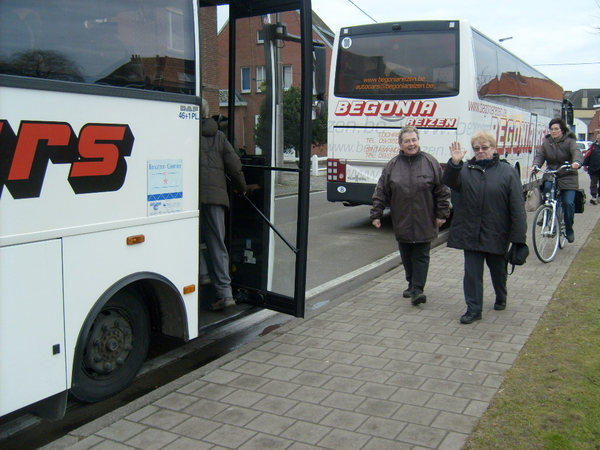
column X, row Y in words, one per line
column 559, row 38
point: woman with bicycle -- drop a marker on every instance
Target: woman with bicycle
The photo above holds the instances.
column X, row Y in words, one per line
column 559, row 148
column 489, row 214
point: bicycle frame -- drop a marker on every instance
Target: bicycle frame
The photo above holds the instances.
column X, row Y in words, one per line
column 552, row 199
column 548, row 226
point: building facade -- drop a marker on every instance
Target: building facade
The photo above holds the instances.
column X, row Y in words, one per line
column 250, row 68
column 586, row 105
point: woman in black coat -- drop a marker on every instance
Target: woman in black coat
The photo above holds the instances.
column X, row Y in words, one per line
column 489, row 214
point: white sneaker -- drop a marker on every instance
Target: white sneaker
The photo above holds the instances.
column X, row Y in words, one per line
column 222, row 303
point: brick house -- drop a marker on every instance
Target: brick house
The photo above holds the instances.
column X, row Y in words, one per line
column 250, row 68
column 210, row 52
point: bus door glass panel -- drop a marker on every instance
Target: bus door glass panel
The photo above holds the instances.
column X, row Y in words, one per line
column 139, row 45
column 267, row 129
column 398, row 65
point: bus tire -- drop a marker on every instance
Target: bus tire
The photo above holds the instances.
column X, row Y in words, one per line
column 113, row 349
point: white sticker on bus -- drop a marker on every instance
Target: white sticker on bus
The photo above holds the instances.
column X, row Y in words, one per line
column 165, row 186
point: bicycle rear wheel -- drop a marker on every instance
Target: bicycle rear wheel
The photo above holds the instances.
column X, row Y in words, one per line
column 545, row 234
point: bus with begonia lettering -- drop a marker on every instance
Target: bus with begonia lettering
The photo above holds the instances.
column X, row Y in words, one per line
column 100, row 237
column 442, row 76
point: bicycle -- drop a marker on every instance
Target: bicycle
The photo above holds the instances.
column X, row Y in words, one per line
column 549, row 231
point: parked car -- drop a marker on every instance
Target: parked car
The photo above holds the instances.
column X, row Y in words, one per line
column 584, row 146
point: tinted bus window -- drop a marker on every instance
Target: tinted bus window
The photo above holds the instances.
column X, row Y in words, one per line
column 398, row 65
column 504, row 78
column 108, row 42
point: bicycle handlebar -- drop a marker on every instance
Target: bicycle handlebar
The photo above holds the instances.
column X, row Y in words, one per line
column 564, row 166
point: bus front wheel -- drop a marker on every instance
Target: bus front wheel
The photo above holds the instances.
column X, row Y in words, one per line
column 113, row 350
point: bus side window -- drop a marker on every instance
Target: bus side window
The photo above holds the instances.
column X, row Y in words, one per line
column 20, row 28
column 111, row 61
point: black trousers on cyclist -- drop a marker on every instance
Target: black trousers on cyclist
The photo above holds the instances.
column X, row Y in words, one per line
column 473, row 278
column 594, row 183
column 415, row 259
column 567, row 200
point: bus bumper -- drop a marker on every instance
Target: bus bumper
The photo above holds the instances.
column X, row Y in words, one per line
column 351, row 194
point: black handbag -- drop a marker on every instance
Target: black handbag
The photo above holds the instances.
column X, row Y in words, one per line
column 517, row 255
column 579, row 201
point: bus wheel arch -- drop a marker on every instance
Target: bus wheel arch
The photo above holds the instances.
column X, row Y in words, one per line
column 115, row 338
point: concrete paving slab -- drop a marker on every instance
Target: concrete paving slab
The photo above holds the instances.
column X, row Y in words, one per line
column 368, row 371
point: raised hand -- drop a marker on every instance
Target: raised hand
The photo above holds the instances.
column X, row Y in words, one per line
column 457, row 152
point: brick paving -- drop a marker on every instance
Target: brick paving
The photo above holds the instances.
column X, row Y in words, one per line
column 369, row 371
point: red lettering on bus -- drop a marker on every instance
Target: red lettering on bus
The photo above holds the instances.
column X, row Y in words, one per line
column 102, row 165
column 35, row 143
column 414, row 108
column 97, row 157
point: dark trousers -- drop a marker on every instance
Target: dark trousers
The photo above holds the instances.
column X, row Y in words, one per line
column 473, row 279
column 594, row 181
column 415, row 259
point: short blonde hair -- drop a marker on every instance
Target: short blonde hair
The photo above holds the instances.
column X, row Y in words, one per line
column 484, row 136
column 205, row 109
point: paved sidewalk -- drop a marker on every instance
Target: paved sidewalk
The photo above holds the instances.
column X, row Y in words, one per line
column 368, row 372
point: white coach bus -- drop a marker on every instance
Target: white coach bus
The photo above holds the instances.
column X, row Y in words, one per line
column 443, row 77
column 99, row 191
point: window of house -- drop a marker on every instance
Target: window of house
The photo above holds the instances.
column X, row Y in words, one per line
column 246, row 80
column 260, row 78
column 287, row 77
column 260, row 37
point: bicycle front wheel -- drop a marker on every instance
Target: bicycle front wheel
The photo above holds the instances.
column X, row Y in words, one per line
column 545, row 234
column 562, row 240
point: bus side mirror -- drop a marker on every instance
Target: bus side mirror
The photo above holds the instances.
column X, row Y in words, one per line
column 320, row 79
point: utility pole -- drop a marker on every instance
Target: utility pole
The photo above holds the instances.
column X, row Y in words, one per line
column 278, row 87
column 275, row 36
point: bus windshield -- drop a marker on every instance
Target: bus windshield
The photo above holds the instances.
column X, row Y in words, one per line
column 110, row 42
column 398, row 65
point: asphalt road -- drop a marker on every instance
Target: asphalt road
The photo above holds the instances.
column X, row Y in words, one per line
column 341, row 241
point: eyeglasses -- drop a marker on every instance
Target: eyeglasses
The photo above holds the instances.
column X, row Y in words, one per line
column 485, row 149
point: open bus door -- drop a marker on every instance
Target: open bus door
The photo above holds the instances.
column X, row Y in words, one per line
column 268, row 233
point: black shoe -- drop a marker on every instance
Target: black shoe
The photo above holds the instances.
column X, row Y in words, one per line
column 500, row 306
column 470, row 318
column 408, row 293
column 571, row 238
column 418, row 297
